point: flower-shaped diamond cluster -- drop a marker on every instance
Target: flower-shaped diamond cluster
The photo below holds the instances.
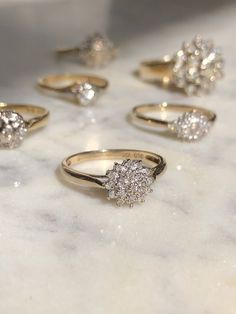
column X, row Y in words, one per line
column 96, row 51
column 129, row 182
column 190, row 126
column 198, row 65
column 12, row 129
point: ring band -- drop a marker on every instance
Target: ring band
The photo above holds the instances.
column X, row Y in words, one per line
column 191, row 125
column 13, row 127
column 195, row 68
column 127, row 182
column 84, row 88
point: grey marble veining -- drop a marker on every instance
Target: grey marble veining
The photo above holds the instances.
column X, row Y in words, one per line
column 69, row 250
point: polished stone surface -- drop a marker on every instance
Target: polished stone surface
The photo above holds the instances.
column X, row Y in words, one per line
column 69, row 250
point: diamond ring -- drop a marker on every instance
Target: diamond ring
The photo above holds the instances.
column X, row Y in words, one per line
column 127, row 182
column 191, row 125
column 195, row 68
column 94, row 51
column 83, row 89
column 14, row 128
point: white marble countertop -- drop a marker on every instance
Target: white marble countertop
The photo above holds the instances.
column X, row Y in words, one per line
column 68, row 251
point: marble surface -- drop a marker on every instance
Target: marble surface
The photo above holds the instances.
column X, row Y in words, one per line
column 66, row 250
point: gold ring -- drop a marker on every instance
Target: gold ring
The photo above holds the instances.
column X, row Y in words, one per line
column 13, row 127
column 128, row 182
column 195, row 68
column 84, row 89
column 191, row 125
column 94, row 51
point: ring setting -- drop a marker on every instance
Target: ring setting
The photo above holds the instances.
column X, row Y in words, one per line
column 96, row 51
column 190, row 126
column 129, row 182
column 85, row 93
column 193, row 124
column 195, row 68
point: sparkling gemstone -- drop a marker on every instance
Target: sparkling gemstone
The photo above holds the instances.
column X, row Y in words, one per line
column 96, row 51
column 198, row 65
column 128, row 182
column 191, row 126
column 85, row 93
column 12, row 129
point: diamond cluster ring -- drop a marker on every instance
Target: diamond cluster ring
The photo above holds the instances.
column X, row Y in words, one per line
column 83, row 89
column 14, row 128
column 191, row 125
column 94, row 51
column 195, row 68
column 127, row 182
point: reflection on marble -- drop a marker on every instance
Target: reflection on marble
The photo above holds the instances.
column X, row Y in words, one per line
column 69, row 250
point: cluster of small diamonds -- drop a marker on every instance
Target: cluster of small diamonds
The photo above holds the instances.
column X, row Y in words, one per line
column 128, row 182
column 96, row 51
column 198, row 65
column 12, row 129
column 190, row 126
column 84, row 93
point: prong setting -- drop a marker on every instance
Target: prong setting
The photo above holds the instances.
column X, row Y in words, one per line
column 85, row 93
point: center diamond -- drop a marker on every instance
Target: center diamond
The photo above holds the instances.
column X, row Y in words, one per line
column 85, row 93
column 191, row 126
column 12, row 129
column 129, row 182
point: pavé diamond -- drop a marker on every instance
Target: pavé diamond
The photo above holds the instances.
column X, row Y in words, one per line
column 12, row 129
column 191, row 126
column 85, row 93
column 129, row 182
column 198, row 65
column 96, row 51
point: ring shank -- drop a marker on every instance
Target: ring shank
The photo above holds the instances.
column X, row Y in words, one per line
column 39, row 114
column 139, row 113
column 154, row 161
column 61, row 82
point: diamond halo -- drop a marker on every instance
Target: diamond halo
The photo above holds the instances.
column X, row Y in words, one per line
column 129, row 182
column 12, row 129
column 190, row 126
column 198, row 65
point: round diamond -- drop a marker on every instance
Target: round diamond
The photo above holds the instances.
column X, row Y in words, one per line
column 190, row 126
column 198, row 65
column 12, row 129
column 96, row 51
column 85, row 93
column 128, row 182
